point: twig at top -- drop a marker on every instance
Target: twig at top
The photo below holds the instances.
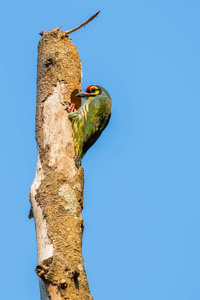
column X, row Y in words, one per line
column 83, row 24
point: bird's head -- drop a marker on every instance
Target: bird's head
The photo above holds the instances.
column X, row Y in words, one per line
column 91, row 91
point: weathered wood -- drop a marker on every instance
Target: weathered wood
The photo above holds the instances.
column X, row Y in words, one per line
column 57, row 191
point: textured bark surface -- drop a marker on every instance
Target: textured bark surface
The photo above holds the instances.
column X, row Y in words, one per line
column 57, row 191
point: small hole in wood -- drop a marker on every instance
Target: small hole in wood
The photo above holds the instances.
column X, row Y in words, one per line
column 77, row 101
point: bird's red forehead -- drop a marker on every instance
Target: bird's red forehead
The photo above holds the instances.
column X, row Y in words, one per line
column 89, row 87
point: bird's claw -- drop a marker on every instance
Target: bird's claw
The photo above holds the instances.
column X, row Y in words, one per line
column 71, row 108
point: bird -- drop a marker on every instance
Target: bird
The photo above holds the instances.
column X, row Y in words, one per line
column 90, row 120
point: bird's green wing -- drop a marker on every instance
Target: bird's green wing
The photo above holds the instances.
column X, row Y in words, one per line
column 97, row 120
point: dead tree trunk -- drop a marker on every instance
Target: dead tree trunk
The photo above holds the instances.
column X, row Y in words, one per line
column 57, row 191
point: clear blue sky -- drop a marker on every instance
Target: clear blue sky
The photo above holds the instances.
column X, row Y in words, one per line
column 142, row 192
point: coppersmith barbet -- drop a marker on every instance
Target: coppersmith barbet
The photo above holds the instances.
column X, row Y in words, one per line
column 89, row 121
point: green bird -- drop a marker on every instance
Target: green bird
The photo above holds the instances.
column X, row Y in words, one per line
column 90, row 120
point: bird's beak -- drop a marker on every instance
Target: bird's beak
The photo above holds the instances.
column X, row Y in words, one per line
column 83, row 95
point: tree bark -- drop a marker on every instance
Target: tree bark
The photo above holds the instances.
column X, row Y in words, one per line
column 57, row 191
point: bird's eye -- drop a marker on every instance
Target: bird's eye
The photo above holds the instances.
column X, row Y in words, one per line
column 93, row 90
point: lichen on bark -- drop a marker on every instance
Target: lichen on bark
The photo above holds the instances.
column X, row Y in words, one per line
column 57, row 190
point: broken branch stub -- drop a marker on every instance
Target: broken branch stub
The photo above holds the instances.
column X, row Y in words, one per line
column 57, row 190
column 66, row 33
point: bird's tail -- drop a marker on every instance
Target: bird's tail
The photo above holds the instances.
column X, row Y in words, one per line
column 78, row 161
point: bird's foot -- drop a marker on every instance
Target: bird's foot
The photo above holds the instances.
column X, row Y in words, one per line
column 71, row 108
